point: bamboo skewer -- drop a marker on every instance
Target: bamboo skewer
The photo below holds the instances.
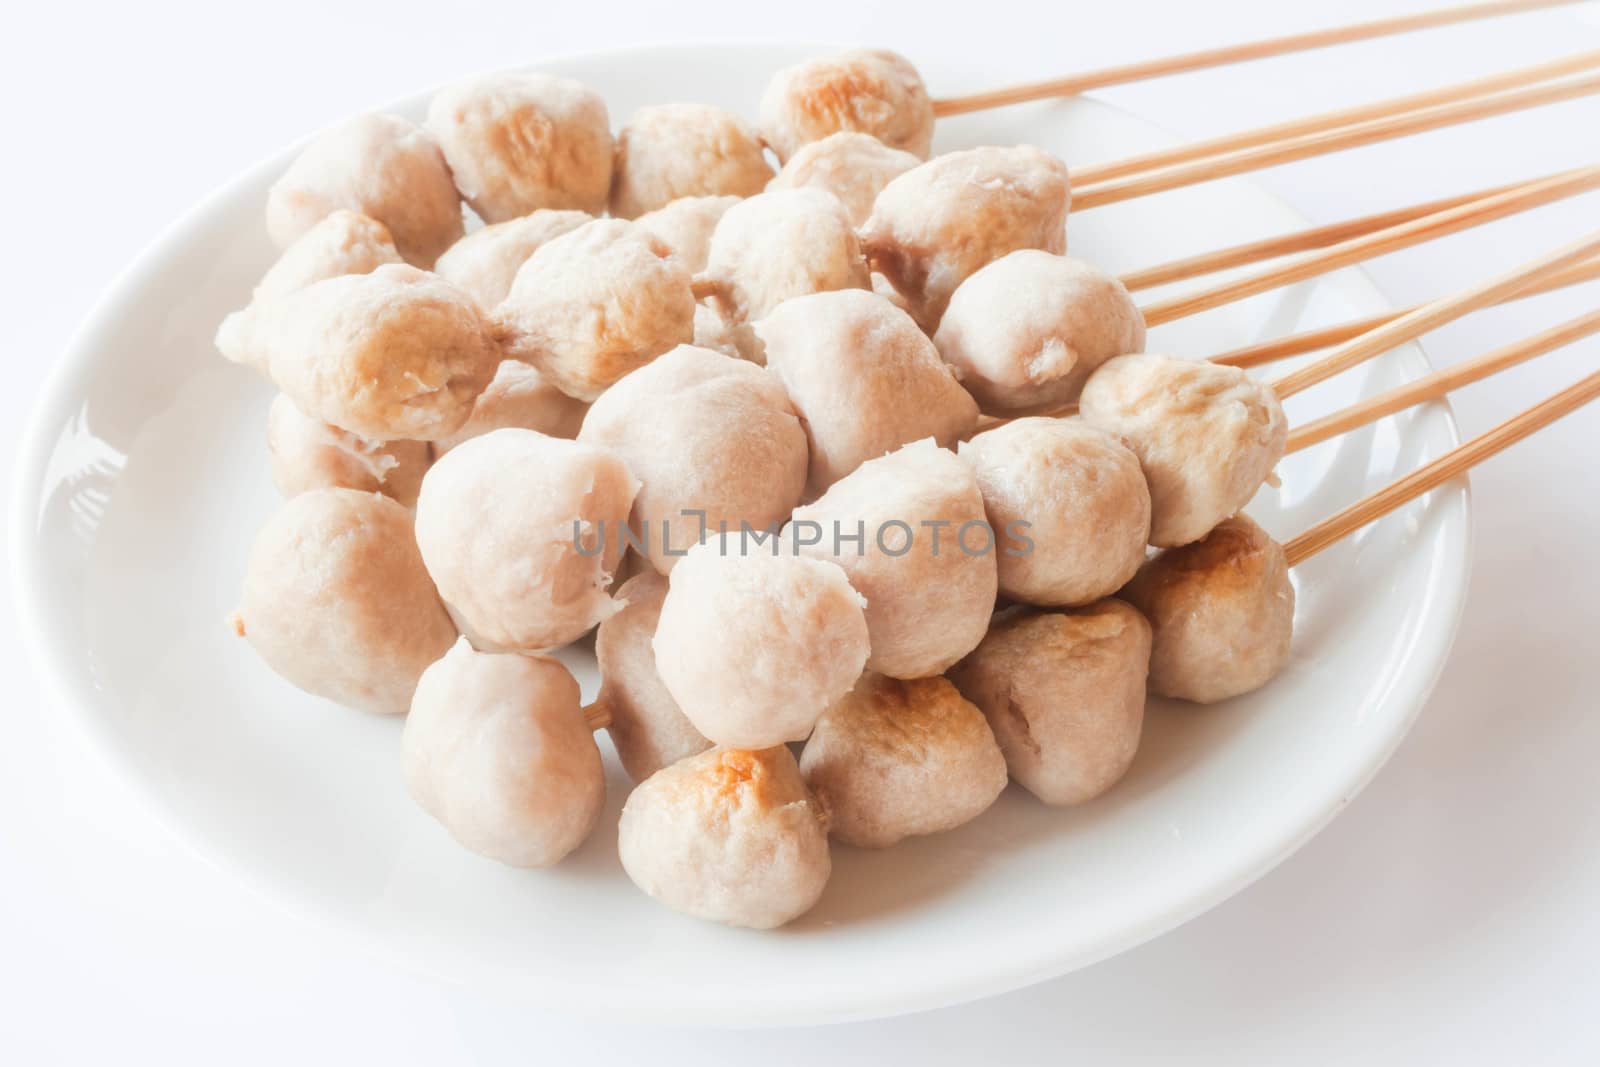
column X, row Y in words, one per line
column 1550, row 70
column 1433, row 315
column 1448, row 466
column 1441, row 383
column 1452, row 220
column 1217, row 57
column 1243, row 255
column 1311, row 340
column 1365, row 133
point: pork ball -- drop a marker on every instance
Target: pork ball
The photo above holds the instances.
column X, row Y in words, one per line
column 934, row 226
column 337, row 601
column 485, row 263
column 522, row 398
column 755, row 643
column 308, row 454
column 647, row 727
column 519, row 532
column 714, row 442
column 1026, row 331
column 864, row 379
column 1068, row 504
column 870, row 91
column 596, row 303
column 1223, row 613
column 924, row 561
column 669, row 151
column 496, row 748
column 728, row 835
column 521, row 141
column 397, row 353
column 344, row 242
column 773, row 247
column 1064, row 692
column 852, row 166
column 894, row 759
column 686, row 224
column 1206, row 435
column 380, row 166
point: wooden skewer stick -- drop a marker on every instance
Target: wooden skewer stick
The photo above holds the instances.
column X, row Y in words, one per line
column 1450, row 465
column 597, row 715
column 1239, row 53
column 1095, row 174
column 1364, row 133
column 1242, row 255
column 1357, row 249
column 1433, row 315
column 1441, row 383
column 1311, row 340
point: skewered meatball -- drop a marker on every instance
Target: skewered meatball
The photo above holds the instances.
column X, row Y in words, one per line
column 776, row 246
column 485, row 263
column 1206, row 435
column 1223, row 613
column 1026, row 331
column 380, row 166
column 728, row 835
column 865, row 90
column 596, row 303
column 703, row 433
column 894, row 759
column 852, row 166
column 755, row 644
column 937, row 224
column 674, row 150
column 1070, row 505
column 647, row 727
column 1064, row 692
column 344, row 242
column 521, row 398
column 864, row 379
column 519, row 532
column 496, row 748
column 518, row 142
column 925, row 560
column 336, row 600
column 685, row 226
column 395, row 354
column 308, row 454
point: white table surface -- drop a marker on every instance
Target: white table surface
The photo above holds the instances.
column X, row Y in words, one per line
column 1448, row 914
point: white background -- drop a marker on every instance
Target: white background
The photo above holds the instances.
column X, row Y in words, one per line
column 1449, row 914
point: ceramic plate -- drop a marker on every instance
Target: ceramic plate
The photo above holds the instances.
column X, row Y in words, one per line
column 144, row 479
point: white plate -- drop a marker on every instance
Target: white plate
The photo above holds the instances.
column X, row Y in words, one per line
column 144, row 479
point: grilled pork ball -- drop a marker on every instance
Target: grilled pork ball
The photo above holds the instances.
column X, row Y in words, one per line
column 895, row 759
column 1206, row 435
column 337, row 601
column 1223, row 613
column 669, row 151
column 520, row 141
column 1064, row 692
column 730, row 835
column 869, row 91
column 496, row 748
column 380, row 166
column 1026, row 331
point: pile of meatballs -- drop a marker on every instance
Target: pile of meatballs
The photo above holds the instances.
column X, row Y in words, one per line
column 503, row 336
